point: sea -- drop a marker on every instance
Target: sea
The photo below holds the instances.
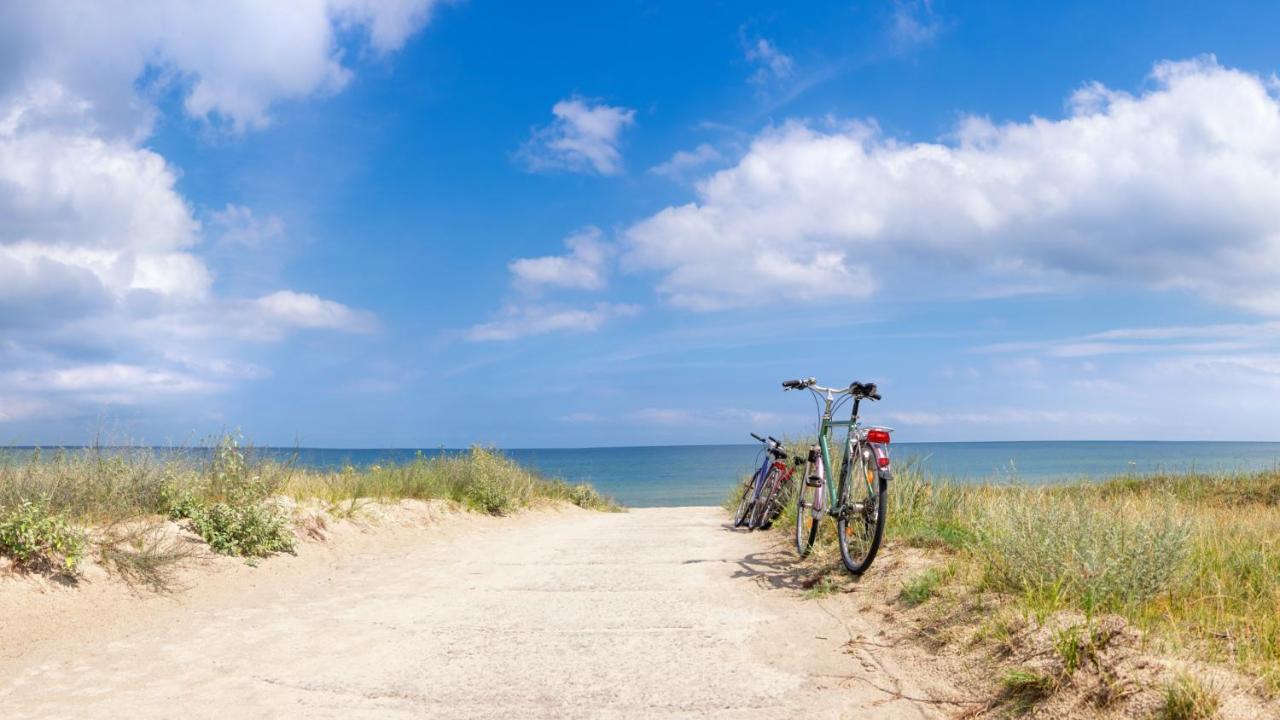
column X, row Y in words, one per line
column 673, row 475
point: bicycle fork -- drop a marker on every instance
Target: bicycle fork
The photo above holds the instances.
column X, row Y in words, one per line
column 815, row 479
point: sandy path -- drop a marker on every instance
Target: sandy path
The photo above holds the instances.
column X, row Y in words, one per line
column 653, row 613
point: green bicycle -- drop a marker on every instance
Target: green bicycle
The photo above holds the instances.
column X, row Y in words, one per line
column 858, row 503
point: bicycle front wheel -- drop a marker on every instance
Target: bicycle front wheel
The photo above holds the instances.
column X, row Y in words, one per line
column 860, row 525
column 743, row 512
column 807, row 498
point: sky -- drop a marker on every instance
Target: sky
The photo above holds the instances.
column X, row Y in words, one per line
column 422, row 223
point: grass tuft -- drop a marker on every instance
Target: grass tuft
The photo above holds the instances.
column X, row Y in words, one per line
column 1022, row 688
column 921, row 587
column 1186, row 698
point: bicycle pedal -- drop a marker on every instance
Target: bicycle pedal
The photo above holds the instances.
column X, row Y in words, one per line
column 814, row 482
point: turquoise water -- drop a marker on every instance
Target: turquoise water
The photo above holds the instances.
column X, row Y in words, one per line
column 703, row 474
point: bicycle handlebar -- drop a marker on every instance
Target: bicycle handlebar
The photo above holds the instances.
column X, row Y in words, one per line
column 856, row 389
column 757, row 437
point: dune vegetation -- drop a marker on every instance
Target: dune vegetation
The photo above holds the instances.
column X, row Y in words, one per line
column 1190, row 559
column 58, row 507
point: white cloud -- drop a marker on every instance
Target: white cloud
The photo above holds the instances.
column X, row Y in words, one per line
column 1174, row 338
column 13, row 409
column 301, row 310
column 771, row 63
column 238, row 225
column 684, row 161
column 1172, row 189
column 582, row 268
column 583, row 138
column 914, row 23
column 233, row 60
column 1009, row 416
column 517, row 321
column 105, row 283
column 115, row 379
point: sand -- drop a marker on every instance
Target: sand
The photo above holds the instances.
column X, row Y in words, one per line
column 549, row 614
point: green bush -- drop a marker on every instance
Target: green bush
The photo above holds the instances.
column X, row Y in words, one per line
column 40, row 540
column 233, row 512
column 251, row 529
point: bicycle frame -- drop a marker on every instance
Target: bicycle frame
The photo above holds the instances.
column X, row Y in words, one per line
column 851, row 442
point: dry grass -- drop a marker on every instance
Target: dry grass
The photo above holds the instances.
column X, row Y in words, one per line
column 226, row 495
column 1193, row 560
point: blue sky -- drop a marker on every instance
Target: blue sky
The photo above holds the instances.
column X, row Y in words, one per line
column 416, row 223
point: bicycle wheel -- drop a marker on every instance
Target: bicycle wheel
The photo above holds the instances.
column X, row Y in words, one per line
column 743, row 512
column 807, row 498
column 860, row 525
column 781, row 498
column 765, row 498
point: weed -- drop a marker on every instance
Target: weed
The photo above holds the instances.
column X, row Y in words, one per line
column 143, row 554
column 1186, row 698
column 40, row 540
column 922, row 587
column 1022, row 688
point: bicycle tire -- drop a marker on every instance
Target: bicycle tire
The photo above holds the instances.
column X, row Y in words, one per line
column 806, row 536
column 768, row 491
column 870, row 527
column 781, row 498
column 744, row 505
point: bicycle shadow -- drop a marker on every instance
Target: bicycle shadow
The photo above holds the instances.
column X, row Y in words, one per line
column 779, row 568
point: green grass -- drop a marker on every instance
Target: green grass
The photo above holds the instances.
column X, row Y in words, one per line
column 1193, row 559
column 923, row 586
column 1186, row 698
column 1022, row 688
column 54, row 507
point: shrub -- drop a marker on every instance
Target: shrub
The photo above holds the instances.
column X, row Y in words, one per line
column 40, row 540
column 252, row 529
column 233, row 512
column 1069, row 552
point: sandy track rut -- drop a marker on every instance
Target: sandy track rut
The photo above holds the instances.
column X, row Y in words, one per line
column 650, row 613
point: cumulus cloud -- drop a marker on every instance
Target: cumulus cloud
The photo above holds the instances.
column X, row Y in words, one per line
column 1172, row 189
column 232, row 60
column 583, row 137
column 104, row 277
column 518, row 321
column 286, row 308
column 583, row 267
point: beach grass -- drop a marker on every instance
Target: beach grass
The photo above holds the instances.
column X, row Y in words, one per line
column 1192, row 559
column 57, row 506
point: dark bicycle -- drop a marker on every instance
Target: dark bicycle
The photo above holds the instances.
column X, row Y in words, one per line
column 764, row 494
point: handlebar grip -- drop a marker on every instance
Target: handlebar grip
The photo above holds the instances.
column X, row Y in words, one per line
column 874, row 396
column 791, row 384
column 757, row 437
column 776, row 441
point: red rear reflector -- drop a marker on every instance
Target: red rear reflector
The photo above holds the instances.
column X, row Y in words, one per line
column 884, row 461
column 878, row 436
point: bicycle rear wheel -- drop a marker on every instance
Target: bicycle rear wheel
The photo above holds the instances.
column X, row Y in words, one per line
column 860, row 525
column 764, row 501
column 743, row 513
